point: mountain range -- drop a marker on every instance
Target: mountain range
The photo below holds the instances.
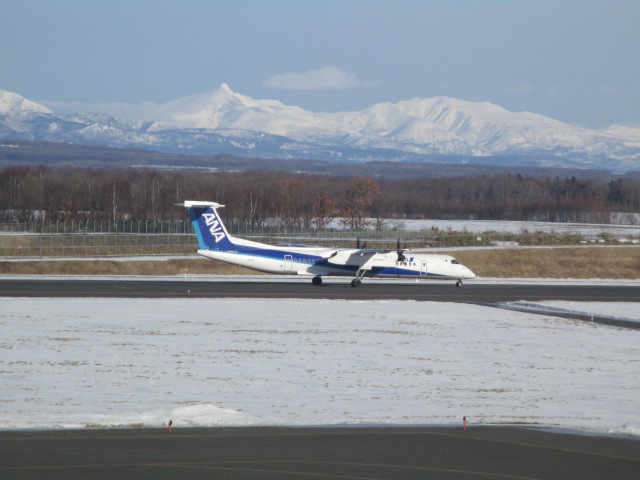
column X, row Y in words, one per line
column 419, row 130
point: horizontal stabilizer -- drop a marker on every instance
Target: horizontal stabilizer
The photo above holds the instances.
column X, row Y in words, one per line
column 200, row 204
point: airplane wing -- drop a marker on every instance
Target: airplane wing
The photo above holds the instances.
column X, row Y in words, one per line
column 363, row 259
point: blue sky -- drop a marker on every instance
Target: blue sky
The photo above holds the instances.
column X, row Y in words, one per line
column 574, row 60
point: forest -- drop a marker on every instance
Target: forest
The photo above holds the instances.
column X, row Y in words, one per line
column 302, row 200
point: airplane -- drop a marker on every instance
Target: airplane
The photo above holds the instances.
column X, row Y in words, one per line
column 215, row 242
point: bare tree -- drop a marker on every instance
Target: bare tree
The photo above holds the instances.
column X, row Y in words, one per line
column 360, row 195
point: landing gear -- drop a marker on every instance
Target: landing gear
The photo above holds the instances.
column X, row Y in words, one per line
column 356, row 282
column 459, row 283
column 317, row 280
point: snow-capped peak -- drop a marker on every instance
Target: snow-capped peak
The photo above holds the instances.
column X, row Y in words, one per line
column 224, row 108
column 13, row 103
column 204, row 110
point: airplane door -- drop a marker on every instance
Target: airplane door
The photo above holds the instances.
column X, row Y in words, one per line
column 288, row 263
column 423, row 267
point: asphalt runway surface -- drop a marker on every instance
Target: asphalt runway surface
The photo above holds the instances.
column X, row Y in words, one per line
column 480, row 452
column 330, row 453
column 254, row 287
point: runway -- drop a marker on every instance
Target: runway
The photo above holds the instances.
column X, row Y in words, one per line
column 300, row 287
column 330, row 453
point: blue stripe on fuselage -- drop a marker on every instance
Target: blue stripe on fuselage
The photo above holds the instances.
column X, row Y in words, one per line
column 404, row 272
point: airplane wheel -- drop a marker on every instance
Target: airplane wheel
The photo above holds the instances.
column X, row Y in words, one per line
column 316, row 281
column 355, row 282
column 459, row 283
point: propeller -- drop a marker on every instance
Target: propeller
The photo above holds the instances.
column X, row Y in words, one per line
column 358, row 245
column 400, row 250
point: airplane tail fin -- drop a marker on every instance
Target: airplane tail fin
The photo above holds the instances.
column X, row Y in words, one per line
column 211, row 232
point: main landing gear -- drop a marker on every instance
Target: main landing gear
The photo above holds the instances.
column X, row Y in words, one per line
column 356, row 282
column 459, row 283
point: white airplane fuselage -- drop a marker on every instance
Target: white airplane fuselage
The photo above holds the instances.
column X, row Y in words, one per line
column 217, row 244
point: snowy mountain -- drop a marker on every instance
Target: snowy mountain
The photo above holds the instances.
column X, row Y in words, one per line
column 223, row 121
column 12, row 103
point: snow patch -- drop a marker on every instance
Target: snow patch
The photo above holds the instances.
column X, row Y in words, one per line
column 100, row 362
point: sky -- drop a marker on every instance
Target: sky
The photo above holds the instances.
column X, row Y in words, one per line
column 573, row 60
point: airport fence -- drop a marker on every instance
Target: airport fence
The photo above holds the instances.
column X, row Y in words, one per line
column 124, row 238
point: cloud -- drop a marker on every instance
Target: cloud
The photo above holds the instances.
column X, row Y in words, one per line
column 325, row 78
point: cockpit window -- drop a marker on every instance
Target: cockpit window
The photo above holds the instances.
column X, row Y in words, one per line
column 455, row 262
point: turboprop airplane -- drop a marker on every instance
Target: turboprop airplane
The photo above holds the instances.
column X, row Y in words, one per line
column 215, row 242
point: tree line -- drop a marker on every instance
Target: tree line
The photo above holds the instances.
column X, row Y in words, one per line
column 305, row 200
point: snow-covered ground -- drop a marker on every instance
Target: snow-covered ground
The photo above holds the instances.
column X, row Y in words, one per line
column 481, row 226
column 117, row 362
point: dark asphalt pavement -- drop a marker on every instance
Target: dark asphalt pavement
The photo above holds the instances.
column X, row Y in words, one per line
column 331, row 453
column 253, row 287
